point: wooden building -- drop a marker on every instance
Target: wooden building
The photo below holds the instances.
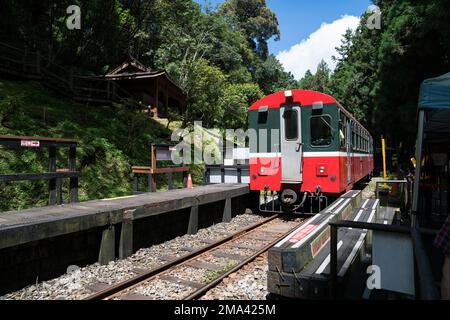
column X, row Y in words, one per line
column 154, row 89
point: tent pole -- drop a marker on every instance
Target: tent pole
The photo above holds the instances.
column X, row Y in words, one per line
column 419, row 144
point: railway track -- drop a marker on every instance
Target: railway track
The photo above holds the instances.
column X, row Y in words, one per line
column 211, row 264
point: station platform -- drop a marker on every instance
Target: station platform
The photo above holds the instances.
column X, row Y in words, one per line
column 299, row 265
column 17, row 227
column 43, row 242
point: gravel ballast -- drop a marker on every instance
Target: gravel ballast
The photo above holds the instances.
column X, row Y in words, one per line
column 73, row 285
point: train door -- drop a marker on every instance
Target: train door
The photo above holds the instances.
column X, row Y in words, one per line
column 348, row 148
column 291, row 144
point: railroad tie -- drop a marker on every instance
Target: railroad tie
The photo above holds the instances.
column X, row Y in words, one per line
column 136, row 296
column 97, row 287
column 204, row 265
column 230, row 256
column 173, row 279
column 245, row 246
column 139, row 270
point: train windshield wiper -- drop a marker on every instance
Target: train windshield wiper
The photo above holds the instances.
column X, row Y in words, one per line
column 329, row 125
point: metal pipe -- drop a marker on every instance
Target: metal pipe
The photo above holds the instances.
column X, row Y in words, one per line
column 428, row 290
column 419, row 144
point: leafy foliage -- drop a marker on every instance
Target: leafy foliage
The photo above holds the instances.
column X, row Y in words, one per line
column 111, row 141
column 379, row 71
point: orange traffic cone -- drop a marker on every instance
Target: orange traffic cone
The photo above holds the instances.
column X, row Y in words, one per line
column 189, row 182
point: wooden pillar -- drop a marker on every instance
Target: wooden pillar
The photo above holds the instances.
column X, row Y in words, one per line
column 170, row 180
column 166, row 102
column 107, row 246
column 151, row 179
column 193, row 221
column 151, row 183
column 227, row 210
column 59, row 191
column 52, row 182
column 73, row 183
column 126, row 235
column 135, row 183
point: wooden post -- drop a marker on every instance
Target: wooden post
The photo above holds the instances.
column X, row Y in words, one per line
column 107, row 246
column 126, row 235
column 151, row 183
column 193, row 221
column 227, row 211
column 73, row 183
column 151, row 180
column 170, row 180
column 59, row 191
column 135, row 183
column 166, row 103
column 239, row 173
column 52, row 182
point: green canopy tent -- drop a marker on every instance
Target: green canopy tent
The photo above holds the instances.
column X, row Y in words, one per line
column 433, row 123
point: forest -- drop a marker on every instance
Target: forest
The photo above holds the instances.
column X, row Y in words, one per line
column 220, row 57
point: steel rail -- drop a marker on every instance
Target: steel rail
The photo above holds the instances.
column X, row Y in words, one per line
column 201, row 291
column 127, row 284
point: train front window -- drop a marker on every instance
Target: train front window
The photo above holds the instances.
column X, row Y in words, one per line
column 321, row 131
column 290, row 124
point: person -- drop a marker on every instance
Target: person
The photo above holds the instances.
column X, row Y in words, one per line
column 442, row 242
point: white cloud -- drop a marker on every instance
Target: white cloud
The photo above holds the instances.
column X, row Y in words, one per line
column 320, row 45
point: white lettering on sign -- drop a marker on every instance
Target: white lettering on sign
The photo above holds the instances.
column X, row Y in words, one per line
column 29, row 143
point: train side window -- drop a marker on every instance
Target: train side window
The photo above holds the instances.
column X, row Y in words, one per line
column 263, row 114
column 321, row 131
column 342, row 130
column 353, row 135
column 290, row 124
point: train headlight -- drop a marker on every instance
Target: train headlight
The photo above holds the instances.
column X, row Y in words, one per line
column 322, row 170
column 262, row 170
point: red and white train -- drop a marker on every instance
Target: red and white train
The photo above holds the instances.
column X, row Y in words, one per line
column 307, row 145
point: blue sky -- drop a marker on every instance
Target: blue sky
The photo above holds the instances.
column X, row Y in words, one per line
column 310, row 29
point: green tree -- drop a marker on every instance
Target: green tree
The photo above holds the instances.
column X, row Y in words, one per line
column 320, row 81
column 235, row 100
column 255, row 19
column 271, row 76
column 205, row 86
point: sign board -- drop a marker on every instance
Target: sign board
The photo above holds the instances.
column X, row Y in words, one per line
column 163, row 153
column 30, row 143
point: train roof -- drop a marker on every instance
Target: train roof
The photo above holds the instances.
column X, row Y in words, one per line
column 304, row 97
